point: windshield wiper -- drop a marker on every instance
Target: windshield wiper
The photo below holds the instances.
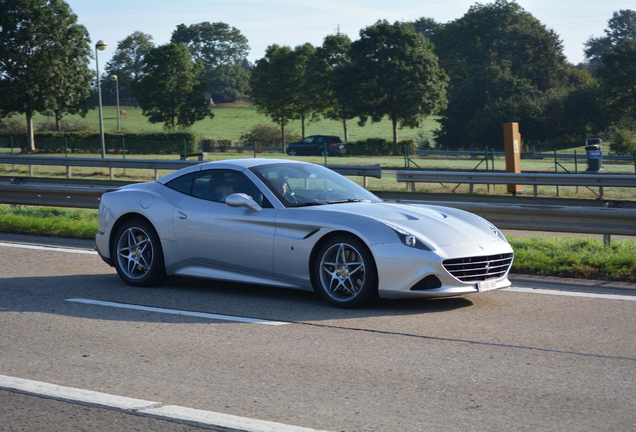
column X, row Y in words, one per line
column 348, row 200
column 309, row 204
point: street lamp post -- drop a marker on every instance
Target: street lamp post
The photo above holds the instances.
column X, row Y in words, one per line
column 114, row 78
column 100, row 46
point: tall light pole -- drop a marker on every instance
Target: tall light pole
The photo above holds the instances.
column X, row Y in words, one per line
column 114, row 78
column 100, row 46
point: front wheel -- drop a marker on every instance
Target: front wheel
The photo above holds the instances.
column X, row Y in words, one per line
column 292, row 153
column 138, row 254
column 344, row 273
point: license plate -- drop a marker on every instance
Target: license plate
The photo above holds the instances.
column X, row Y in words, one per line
column 488, row 285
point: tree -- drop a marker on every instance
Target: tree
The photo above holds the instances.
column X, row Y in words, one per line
column 278, row 85
column 621, row 27
column 44, row 58
column 396, row 75
column 221, row 49
column 127, row 63
column 170, row 89
column 617, row 77
column 327, row 87
column 229, row 83
column 504, row 64
column 428, row 27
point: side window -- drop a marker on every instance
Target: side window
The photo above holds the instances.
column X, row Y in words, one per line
column 182, row 184
column 216, row 185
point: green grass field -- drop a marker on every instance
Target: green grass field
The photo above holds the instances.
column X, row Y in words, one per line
column 233, row 120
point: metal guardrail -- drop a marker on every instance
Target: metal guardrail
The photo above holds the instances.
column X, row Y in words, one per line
column 156, row 165
column 554, row 218
column 534, row 179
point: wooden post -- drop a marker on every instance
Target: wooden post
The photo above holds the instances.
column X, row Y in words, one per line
column 512, row 147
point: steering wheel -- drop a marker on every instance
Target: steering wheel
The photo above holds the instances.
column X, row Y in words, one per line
column 324, row 194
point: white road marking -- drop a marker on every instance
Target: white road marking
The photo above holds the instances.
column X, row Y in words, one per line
column 177, row 312
column 570, row 293
column 156, row 409
column 45, row 248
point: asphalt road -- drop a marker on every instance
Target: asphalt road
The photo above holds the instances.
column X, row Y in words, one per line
column 559, row 356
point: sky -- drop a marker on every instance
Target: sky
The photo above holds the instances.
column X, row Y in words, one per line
column 295, row 22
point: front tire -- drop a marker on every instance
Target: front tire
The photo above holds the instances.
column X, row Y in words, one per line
column 137, row 253
column 344, row 273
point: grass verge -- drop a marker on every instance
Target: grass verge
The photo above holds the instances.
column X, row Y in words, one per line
column 48, row 221
column 547, row 256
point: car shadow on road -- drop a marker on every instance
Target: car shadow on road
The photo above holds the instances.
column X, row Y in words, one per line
column 197, row 295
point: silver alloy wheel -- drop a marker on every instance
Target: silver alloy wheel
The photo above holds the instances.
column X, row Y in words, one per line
column 292, row 153
column 342, row 272
column 135, row 253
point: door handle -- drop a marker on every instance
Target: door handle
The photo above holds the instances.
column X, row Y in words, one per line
column 181, row 215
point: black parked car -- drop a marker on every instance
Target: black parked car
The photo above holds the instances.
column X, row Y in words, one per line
column 320, row 145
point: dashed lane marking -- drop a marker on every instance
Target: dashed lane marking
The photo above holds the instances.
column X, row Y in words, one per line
column 155, row 409
column 177, row 312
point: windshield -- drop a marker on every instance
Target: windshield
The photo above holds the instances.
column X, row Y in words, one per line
column 298, row 185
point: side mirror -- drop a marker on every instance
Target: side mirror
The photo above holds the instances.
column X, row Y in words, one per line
column 242, row 200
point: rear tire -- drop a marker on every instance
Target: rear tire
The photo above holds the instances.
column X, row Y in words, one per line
column 137, row 254
column 344, row 273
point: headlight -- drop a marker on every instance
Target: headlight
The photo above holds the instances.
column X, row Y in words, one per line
column 407, row 238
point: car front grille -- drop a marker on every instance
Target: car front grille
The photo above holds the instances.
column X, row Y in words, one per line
column 480, row 268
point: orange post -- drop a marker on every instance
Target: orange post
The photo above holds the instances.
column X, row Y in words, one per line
column 512, row 148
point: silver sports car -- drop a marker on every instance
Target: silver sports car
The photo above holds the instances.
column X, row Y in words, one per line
column 297, row 225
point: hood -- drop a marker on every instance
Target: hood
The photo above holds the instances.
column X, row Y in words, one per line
column 441, row 226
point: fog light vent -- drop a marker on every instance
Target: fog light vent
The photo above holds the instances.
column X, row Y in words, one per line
column 429, row 282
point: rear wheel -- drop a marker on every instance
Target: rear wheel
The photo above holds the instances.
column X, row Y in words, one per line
column 344, row 273
column 138, row 256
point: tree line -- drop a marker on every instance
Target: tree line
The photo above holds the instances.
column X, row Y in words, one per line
column 495, row 64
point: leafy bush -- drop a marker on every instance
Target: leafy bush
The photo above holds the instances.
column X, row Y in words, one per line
column 12, row 127
column 64, row 126
column 377, row 147
column 132, row 143
column 623, row 142
column 267, row 135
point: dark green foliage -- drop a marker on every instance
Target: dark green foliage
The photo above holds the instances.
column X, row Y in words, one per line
column 89, row 142
column 505, row 66
column 623, row 142
column 617, row 77
column 328, row 89
column 278, row 85
column 41, row 44
column 126, row 63
column 221, row 49
column 396, row 75
column 170, row 89
column 377, row 147
column 620, row 28
column 267, row 135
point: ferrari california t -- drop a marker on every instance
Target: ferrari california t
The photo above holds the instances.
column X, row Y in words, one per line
column 297, row 225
